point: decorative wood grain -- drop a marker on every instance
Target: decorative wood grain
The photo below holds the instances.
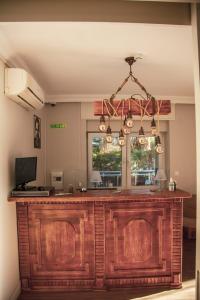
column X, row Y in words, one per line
column 100, row 241
column 99, row 219
column 61, row 241
column 105, row 196
column 139, row 282
column 177, row 215
column 23, row 244
column 138, row 232
column 138, row 240
column 135, row 107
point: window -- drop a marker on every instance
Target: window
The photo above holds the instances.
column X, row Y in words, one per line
column 143, row 161
column 109, row 165
column 105, row 162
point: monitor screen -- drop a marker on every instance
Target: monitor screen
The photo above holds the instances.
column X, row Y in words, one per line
column 25, row 170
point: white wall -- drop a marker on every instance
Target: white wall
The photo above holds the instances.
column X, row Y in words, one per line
column 16, row 140
column 67, row 148
column 182, row 146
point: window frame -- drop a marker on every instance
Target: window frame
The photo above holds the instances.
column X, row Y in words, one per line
column 126, row 161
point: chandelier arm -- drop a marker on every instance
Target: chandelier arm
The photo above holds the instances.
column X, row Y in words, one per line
column 141, row 86
column 119, row 88
column 145, row 108
column 114, row 111
column 122, row 114
column 140, row 106
column 102, row 107
column 105, row 102
column 141, row 112
column 137, row 95
column 118, row 106
column 158, row 113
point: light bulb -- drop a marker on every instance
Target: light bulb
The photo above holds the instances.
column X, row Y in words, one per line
column 153, row 131
column 108, row 138
column 141, row 137
column 109, row 135
column 129, row 120
column 102, row 125
column 129, row 123
column 153, row 127
column 142, row 140
column 121, row 138
column 126, row 130
column 159, row 149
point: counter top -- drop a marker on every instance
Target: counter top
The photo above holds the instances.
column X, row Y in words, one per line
column 106, row 195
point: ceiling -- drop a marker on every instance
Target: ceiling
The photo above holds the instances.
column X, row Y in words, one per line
column 83, row 61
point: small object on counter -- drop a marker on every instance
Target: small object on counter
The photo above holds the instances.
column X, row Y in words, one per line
column 71, row 189
column 79, row 185
column 110, row 184
column 175, row 185
column 83, row 189
column 172, row 185
column 62, row 194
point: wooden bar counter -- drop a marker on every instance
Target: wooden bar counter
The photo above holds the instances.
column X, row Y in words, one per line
column 100, row 240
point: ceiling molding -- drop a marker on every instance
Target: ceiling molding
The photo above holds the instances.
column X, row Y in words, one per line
column 91, row 98
column 175, row 1
column 9, row 56
column 97, row 11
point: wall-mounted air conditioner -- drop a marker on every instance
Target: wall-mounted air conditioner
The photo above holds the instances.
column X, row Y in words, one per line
column 22, row 88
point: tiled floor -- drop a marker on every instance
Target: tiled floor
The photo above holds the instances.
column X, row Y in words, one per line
column 186, row 293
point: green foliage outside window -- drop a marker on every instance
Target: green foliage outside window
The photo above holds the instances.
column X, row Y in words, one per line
column 143, row 157
column 105, row 159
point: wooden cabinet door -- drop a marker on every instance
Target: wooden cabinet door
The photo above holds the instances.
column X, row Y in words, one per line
column 138, row 240
column 61, row 241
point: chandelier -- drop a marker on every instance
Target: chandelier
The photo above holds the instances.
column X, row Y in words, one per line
column 143, row 105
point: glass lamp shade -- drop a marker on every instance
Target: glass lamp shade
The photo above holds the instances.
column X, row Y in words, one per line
column 109, row 135
column 129, row 120
column 95, row 177
column 160, row 178
column 160, row 175
column 102, row 125
column 121, row 138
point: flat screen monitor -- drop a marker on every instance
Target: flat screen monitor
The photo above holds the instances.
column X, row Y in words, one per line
column 25, row 170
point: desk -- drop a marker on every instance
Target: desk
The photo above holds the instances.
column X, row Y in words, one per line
column 100, row 240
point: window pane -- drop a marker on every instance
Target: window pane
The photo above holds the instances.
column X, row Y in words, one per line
column 144, row 161
column 106, row 163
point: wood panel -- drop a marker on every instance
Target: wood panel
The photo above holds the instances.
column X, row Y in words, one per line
column 61, row 245
column 100, row 242
column 138, row 242
column 134, row 105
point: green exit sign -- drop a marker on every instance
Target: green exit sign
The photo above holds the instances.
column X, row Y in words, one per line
column 58, row 125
